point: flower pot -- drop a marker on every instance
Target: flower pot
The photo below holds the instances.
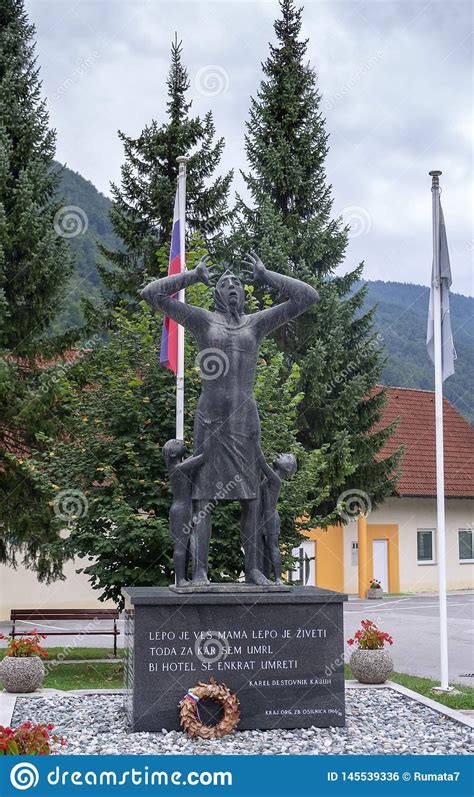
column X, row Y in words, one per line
column 21, row 673
column 374, row 594
column 371, row 666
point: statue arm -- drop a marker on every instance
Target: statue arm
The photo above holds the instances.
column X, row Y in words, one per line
column 191, row 463
column 267, row 471
column 160, row 295
column 300, row 296
column 196, row 460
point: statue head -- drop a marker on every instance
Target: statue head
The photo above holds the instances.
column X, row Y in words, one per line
column 229, row 295
column 285, row 465
column 173, row 450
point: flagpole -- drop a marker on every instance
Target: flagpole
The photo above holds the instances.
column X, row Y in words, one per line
column 438, row 366
column 181, row 297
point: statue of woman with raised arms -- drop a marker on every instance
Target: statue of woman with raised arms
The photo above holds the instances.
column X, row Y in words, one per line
column 226, row 409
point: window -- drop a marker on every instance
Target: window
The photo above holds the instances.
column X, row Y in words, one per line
column 355, row 554
column 425, row 552
column 466, row 545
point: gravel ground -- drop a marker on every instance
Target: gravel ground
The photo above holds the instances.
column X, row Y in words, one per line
column 378, row 721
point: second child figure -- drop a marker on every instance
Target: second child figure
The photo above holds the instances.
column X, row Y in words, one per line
column 283, row 467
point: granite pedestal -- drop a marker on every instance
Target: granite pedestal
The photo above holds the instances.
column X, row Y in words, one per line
column 281, row 652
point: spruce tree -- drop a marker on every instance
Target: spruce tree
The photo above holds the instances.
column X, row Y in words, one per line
column 142, row 212
column 34, row 268
column 289, row 223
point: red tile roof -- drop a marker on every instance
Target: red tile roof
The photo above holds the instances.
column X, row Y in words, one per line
column 416, row 432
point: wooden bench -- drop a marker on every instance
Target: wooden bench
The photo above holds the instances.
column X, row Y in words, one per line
column 37, row 615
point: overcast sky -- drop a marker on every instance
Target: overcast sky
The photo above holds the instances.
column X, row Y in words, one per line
column 395, row 79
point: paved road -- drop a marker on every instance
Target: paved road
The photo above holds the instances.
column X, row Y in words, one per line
column 413, row 622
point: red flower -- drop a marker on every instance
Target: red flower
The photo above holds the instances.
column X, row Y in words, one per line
column 370, row 638
column 26, row 645
column 28, row 739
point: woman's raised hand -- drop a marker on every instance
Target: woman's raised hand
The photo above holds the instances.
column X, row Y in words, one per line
column 254, row 266
column 203, row 270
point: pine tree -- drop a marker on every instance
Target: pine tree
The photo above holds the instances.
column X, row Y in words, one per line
column 142, row 212
column 34, row 268
column 289, row 224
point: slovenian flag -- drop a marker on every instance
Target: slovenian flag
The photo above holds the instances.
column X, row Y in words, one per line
column 169, row 337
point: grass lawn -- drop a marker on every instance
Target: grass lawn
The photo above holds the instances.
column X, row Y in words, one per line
column 465, row 698
column 88, row 675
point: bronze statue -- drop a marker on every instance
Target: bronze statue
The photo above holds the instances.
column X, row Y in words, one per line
column 228, row 341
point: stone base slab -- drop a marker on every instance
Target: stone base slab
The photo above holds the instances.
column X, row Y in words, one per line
column 280, row 652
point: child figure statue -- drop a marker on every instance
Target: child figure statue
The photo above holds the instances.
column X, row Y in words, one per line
column 181, row 513
column 283, row 467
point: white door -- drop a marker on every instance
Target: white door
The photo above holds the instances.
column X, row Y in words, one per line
column 380, row 558
column 304, row 570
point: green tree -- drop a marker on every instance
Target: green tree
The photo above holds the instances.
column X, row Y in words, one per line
column 142, row 211
column 289, row 223
column 106, row 478
column 34, row 268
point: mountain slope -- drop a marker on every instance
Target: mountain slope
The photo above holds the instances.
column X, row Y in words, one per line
column 88, row 213
column 400, row 319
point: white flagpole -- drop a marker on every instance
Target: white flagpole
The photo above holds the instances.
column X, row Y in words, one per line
column 182, row 249
column 438, row 365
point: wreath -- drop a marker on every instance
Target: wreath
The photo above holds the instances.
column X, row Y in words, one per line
column 189, row 712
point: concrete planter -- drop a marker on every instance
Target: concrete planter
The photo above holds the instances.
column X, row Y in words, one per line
column 21, row 673
column 374, row 594
column 371, row 666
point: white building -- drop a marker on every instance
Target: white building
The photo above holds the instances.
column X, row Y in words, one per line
column 399, row 539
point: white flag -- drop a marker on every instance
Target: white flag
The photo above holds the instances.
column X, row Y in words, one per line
column 448, row 352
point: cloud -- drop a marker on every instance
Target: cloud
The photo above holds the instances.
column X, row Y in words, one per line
column 394, row 79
